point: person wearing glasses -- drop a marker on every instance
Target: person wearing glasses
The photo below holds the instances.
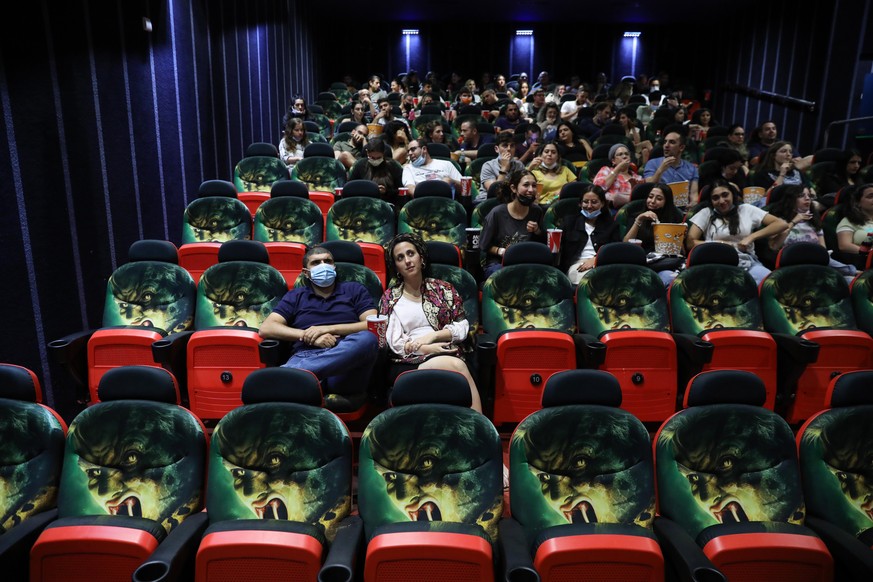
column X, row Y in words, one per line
column 736, row 140
column 422, row 167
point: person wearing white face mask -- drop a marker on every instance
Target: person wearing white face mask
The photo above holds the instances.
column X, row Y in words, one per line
column 586, row 232
column 378, row 166
column 422, row 167
column 326, row 320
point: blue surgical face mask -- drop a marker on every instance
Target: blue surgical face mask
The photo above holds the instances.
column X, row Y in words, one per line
column 322, row 275
column 591, row 214
column 419, row 161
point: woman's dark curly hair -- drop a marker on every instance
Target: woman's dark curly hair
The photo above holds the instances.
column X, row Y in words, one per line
column 419, row 245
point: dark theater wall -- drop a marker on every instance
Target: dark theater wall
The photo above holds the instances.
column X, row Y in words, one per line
column 108, row 131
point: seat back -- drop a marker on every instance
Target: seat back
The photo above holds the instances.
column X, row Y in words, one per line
column 238, row 294
column 257, row 173
column 558, row 211
column 477, row 218
column 287, row 226
column 131, row 457
column 434, row 218
column 32, row 451
column 527, row 296
column 320, row 173
column 621, row 297
column 445, row 264
column 431, row 464
column 361, row 219
column 625, row 215
column 281, row 461
column 862, row 300
column 215, row 219
column 833, row 446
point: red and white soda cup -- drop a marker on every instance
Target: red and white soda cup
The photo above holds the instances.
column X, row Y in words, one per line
column 403, row 192
column 338, row 192
column 554, row 239
column 378, row 325
column 466, row 185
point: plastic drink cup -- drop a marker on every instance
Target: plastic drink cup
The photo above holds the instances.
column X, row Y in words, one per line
column 466, row 185
column 378, row 325
column 554, row 239
column 473, row 234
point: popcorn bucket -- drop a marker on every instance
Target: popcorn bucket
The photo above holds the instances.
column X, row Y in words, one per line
column 681, row 192
column 375, row 129
column 753, row 194
column 669, row 238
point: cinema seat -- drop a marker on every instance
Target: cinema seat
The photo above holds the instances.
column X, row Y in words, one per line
column 279, row 487
column 430, row 488
column 806, row 304
column 258, row 173
column 434, row 218
column 149, row 299
column 834, row 447
column 132, row 482
column 31, row 458
column 528, row 323
column 728, row 481
column 717, row 301
column 581, row 482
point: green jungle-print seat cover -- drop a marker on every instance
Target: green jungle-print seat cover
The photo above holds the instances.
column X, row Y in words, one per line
column 467, row 288
column 728, row 463
column 558, row 211
column 134, row 458
column 527, row 296
column 708, row 297
column 361, row 219
column 862, row 300
column 580, row 464
column 357, row 273
column 431, row 463
column 800, row 298
column 216, row 219
column 477, row 218
column 30, row 461
column 617, row 297
column 281, row 461
column 835, row 463
column 257, row 173
column 434, row 218
column 289, row 219
column 150, row 294
column 238, row 294
column 319, row 174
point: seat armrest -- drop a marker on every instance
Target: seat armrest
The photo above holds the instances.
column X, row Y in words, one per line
column 590, row 352
column 71, row 351
column 516, row 564
column 694, row 350
column 174, row 558
column 849, row 553
column 486, row 359
column 16, row 542
column 339, row 566
column 793, row 355
column 800, row 350
column 168, row 351
column 684, row 555
column 273, row 352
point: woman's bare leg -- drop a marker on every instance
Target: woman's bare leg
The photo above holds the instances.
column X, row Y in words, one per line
column 456, row 365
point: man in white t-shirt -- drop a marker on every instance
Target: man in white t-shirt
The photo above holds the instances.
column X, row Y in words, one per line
column 422, row 167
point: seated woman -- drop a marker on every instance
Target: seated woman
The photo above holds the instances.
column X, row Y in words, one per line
column 387, row 176
column 659, row 208
column 585, row 233
column 294, row 141
column 517, row 219
column 847, row 172
column 857, row 226
column 548, row 170
column 436, row 133
column 426, row 319
column 619, row 178
column 793, row 204
column 724, row 218
column 576, row 149
column 627, row 118
column 547, row 120
column 777, row 168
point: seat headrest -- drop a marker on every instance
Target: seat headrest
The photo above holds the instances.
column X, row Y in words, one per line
column 802, row 254
column 439, row 150
column 243, row 250
column 19, row 383
column 572, row 190
column 153, row 250
column 216, row 188
column 851, row 389
column 442, row 253
column 620, row 253
column 713, row 253
column 344, row 251
column 528, row 252
column 292, row 188
column 725, row 387
column 641, row 191
column 433, row 188
column 582, row 387
column 431, row 387
column 365, row 188
column 138, row 383
column 318, row 150
column 262, row 148
column 282, row 385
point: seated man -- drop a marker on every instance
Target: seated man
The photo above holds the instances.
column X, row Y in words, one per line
column 671, row 168
column 352, row 149
column 472, row 139
column 422, row 167
column 499, row 169
column 327, row 321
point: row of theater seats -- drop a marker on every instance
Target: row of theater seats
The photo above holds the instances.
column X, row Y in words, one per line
column 801, row 327
column 724, row 491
